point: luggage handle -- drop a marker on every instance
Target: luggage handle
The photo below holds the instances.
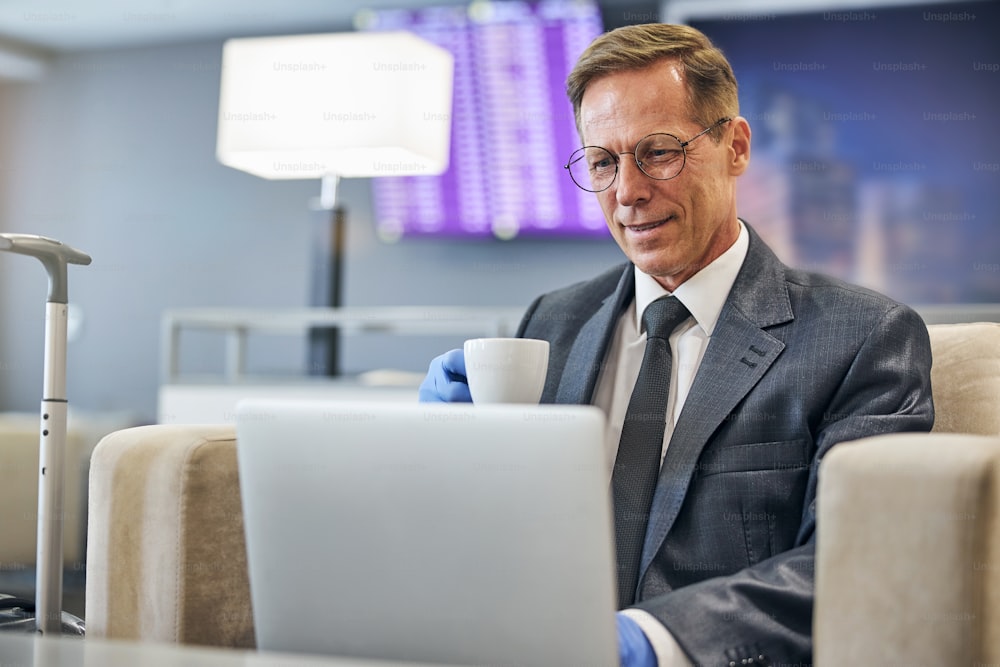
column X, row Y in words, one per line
column 53, row 254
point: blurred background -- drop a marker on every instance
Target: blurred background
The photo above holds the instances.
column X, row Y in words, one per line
column 876, row 158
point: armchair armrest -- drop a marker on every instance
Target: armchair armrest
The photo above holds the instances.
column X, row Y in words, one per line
column 166, row 556
column 908, row 551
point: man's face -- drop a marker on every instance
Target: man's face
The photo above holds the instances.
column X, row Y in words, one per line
column 669, row 229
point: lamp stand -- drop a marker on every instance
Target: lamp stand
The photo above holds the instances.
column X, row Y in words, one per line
column 327, row 280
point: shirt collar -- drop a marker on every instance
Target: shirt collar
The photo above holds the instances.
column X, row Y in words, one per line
column 704, row 293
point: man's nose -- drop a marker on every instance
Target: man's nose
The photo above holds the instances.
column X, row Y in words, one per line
column 633, row 185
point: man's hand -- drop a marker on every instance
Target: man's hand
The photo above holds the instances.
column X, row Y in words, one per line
column 634, row 650
column 445, row 381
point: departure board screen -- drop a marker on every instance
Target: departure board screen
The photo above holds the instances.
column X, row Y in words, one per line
column 512, row 126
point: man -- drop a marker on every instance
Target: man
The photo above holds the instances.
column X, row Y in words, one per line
column 770, row 369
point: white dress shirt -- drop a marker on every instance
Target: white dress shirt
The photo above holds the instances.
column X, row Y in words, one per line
column 703, row 294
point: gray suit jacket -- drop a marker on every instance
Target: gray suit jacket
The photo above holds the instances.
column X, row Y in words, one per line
column 797, row 363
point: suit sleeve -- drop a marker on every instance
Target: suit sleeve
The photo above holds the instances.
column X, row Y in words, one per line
column 765, row 611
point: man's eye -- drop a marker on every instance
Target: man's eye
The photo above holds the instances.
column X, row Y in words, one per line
column 661, row 155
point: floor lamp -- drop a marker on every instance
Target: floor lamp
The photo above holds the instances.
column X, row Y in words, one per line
column 332, row 106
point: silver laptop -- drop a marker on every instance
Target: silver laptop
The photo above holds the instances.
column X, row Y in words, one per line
column 440, row 533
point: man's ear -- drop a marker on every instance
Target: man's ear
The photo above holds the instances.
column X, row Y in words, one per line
column 739, row 146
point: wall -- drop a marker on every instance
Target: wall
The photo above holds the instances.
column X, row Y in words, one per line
column 113, row 153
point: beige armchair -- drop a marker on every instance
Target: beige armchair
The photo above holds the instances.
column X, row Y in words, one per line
column 898, row 569
column 908, row 532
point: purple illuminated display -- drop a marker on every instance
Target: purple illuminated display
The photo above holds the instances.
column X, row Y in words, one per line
column 512, row 126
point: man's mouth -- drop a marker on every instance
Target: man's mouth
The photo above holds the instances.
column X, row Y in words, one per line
column 645, row 227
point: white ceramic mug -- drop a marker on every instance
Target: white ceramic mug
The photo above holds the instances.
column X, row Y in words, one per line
column 506, row 370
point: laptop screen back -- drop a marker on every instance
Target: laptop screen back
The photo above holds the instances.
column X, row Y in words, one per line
column 452, row 534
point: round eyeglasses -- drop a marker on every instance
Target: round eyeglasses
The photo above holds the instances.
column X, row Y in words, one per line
column 660, row 156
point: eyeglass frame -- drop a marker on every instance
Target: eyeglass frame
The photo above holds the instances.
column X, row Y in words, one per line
column 638, row 163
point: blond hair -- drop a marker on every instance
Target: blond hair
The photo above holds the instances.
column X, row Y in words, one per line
column 711, row 85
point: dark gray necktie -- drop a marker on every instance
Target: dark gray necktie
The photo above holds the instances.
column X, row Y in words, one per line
column 639, row 451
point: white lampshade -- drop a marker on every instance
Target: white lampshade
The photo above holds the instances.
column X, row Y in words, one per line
column 342, row 104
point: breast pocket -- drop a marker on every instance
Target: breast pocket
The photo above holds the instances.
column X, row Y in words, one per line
column 757, row 456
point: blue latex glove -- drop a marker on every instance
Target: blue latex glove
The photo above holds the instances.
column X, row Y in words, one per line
column 445, row 381
column 634, row 650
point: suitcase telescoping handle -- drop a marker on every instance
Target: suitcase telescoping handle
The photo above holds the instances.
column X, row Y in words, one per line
column 53, row 254
column 52, row 438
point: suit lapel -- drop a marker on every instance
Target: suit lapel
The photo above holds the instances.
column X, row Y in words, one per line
column 586, row 357
column 738, row 355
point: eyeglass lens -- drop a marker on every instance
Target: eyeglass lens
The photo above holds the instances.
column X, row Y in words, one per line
column 660, row 156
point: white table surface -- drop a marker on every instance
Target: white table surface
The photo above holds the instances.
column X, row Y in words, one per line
column 20, row 650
